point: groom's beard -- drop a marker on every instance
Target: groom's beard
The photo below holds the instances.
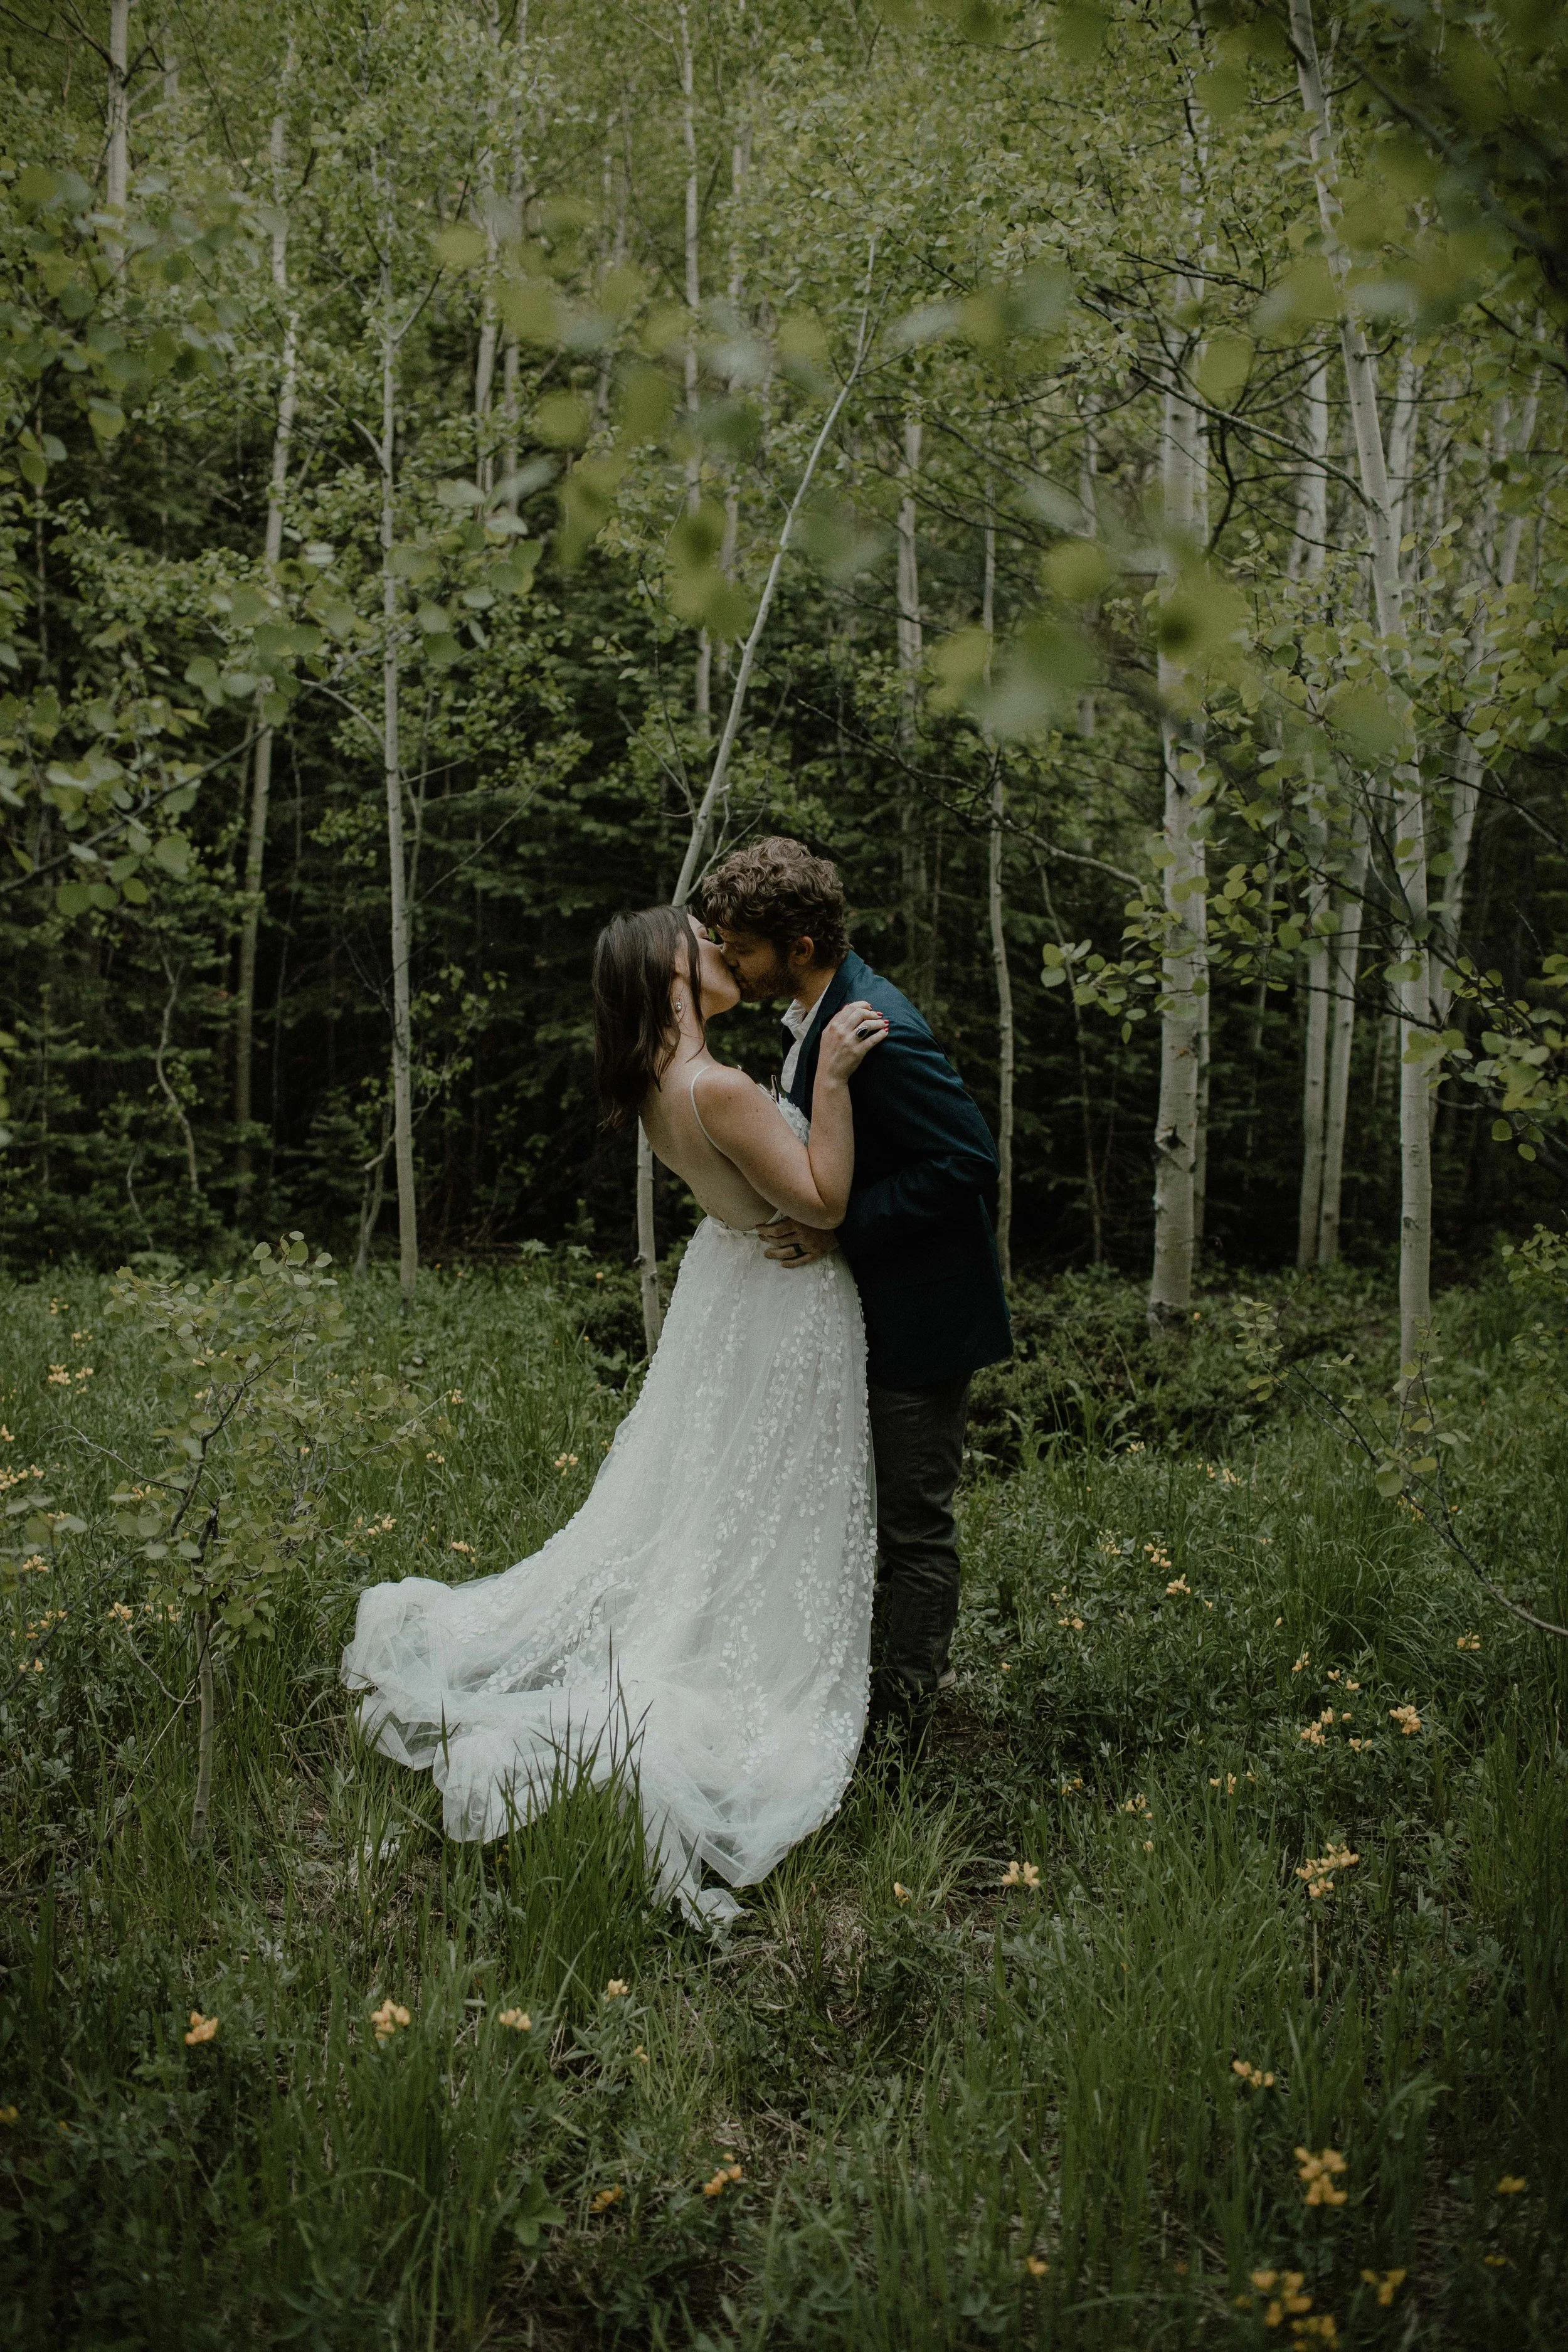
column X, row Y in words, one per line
column 768, row 989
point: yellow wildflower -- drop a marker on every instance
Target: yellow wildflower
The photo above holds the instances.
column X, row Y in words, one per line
column 467, row 1548
column 641, row 2056
column 1469, row 1642
column 1253, row 2075
column 1035, row 2266
column 518, row 2020
column 202, row 2028
column 1020, row 1874
column 8, row 2114
column 1317, row 1870
column 900, row 1893
column 1512, row 2184
column 1407, row 1719
column 722, row 2178
column 605, row 2198
column 1318, row 2174
column 389, row 2018
column 1387, row 2285
column 616, row 1990
column 58, row 1377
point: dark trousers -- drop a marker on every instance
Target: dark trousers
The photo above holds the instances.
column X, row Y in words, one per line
column 916, row 1439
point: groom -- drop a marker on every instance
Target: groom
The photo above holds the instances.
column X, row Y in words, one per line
column 916, row 1236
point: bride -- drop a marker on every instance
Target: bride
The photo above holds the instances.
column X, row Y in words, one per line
column 710, row 1606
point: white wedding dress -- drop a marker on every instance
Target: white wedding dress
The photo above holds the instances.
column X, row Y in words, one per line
column 704, row 1619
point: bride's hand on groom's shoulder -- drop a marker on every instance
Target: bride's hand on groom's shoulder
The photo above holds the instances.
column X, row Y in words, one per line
column 848, row 1037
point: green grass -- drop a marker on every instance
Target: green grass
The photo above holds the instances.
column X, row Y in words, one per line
column 933, row 2084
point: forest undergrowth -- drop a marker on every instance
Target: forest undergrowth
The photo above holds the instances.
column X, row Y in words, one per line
column 1204, row 1984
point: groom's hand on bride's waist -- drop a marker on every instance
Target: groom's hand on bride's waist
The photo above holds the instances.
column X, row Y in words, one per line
column 791, row 1245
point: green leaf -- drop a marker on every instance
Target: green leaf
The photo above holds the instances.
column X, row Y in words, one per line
column 1223, row 369
column 958, row 663
column 461, row 246
column 414, row 563
column 1369, row 719
column 530, row 309
column 1305, row 296
column 1080, row 31
column 1078, row 569
column 647, row 403
column 173, row 852
column 697, row 536
column 562, row 420
column 73, row 899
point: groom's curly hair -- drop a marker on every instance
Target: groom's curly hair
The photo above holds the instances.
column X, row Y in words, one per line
column 778, row 890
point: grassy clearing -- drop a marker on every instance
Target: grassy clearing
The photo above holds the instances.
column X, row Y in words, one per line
column 962, row 2112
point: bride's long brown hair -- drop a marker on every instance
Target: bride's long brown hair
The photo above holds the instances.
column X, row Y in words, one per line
column 636, row 1028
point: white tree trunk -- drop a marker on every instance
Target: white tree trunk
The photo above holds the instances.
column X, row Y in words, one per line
column 117, row 166
column 171, row 62
column 647, row 1246
column 1467, row 762
column 1005, row 1040
column 261, row 769
column 1184, row 1028
column 1306, row 551
column 1089, row 501
column 1308, row 545
column 1416, row 1076
column 702, row 691
column 402, row 1020
column 1314, row 1088
column 911, row 652
column 485, row 359
column 1344, row 957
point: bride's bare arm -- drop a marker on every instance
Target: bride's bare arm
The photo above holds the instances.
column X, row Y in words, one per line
column 810, row 1183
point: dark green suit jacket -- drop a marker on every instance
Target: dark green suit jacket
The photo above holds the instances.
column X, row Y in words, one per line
column 917, row 1231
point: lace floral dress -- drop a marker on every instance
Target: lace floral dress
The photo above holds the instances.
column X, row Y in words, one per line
column 705, row 1617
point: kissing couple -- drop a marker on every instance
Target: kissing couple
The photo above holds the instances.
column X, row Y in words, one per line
column 768, row 1553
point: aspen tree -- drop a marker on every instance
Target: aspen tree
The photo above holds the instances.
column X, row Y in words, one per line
column 1306, row 561
column 1005, row 1040
column 117, row 160
column 489, row 323
column 911, row 641
column 397, row 883
column 261, row 765
column 1178, row 1153
column 1465, row 800
column 1409, row 812
column 702, row 695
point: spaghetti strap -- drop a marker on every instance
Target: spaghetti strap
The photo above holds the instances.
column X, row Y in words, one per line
column 697, row 1114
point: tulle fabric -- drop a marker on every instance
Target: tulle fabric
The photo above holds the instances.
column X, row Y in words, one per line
column 708, row 1607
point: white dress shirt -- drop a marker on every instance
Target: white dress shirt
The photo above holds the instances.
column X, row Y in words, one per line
column 797, row 1021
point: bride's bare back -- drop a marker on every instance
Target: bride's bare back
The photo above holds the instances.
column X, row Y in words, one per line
column 675, row 1131
column 739, row 1150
